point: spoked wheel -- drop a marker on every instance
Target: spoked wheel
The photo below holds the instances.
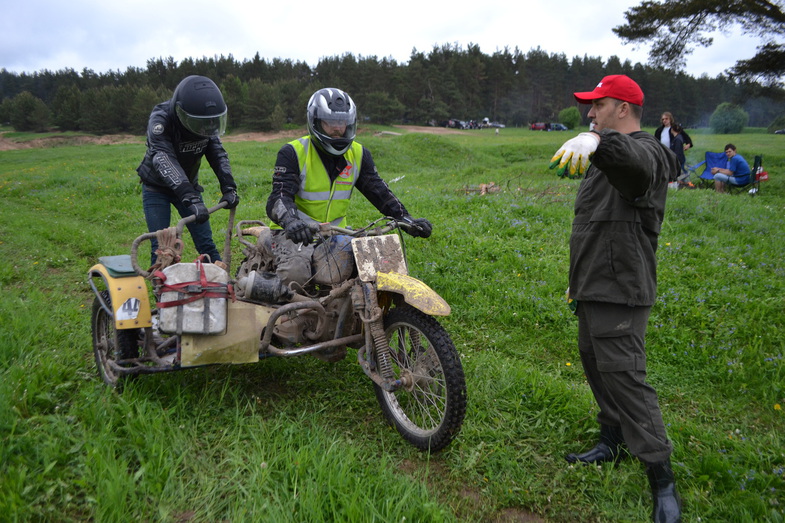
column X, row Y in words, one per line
column 109, row 348
column 429, row 408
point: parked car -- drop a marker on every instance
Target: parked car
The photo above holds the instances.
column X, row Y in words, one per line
column 455, row 124
column 539, row 126
column 557, row 127
column 779, row 131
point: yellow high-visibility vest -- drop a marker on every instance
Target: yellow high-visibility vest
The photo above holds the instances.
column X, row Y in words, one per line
column 318, row 197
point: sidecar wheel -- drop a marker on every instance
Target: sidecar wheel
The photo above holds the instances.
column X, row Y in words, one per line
column 106, row 347
column 428, row 410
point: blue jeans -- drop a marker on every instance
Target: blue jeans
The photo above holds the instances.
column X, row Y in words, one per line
column 158, row 215
column 719, row 177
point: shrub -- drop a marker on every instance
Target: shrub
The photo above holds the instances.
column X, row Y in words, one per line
column 571, row 117
column 5, row 111
column 29, row 113
column 728, row 118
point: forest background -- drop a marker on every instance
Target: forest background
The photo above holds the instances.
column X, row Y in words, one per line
column 449, row 82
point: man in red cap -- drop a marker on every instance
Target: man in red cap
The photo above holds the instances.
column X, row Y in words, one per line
column 613, row 277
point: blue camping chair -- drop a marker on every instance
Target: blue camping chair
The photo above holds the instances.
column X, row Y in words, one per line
column 706, row 179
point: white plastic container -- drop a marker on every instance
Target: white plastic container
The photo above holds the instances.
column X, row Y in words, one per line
column 204, row 315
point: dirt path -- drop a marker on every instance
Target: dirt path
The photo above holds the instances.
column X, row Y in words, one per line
column 6, row 144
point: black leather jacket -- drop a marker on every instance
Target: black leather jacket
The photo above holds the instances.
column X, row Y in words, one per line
column 174, row 155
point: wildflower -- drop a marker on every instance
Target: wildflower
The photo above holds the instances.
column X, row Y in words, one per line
column 569, row 364
column 777, row 406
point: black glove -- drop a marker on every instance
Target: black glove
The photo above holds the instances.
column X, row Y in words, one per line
column 197, row 207
column 419, row 227
column 231, row 198
column 298, row 231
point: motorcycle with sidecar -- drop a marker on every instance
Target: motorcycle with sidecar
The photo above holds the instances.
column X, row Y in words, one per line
column 360, row 297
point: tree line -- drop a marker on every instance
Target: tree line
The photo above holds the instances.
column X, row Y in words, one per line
column 508, row 86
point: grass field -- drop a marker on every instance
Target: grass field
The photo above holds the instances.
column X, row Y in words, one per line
column 302, row 440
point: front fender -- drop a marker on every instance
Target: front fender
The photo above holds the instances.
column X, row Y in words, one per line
column 130, row 302
column 414, row 292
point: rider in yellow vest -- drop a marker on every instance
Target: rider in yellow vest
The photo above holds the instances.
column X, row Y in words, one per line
column 314, row 179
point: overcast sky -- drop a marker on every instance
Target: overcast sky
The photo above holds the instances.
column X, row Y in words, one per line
column 112, row 35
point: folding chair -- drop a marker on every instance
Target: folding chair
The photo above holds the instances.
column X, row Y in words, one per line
column 706, row 179
column 753, row 186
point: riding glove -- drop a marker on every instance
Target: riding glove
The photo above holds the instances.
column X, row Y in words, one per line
column 231, row 198
column 298, row 231
column 418, row 227
column 196, row 206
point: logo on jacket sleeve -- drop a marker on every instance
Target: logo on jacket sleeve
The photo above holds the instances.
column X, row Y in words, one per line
column 158, row 128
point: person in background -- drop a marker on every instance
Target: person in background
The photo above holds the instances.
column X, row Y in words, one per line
column 180, row 132
column 736, row 172
column 619, row 210
column 662, row 133
column 677, row 145
column 313, row 181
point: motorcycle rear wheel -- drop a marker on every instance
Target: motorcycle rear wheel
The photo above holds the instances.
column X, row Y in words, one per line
column 107, row 347
column 428, row 410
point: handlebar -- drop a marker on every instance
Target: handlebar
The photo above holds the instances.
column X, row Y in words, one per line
column 150, row 235
column 378, row 227
column 373, row 229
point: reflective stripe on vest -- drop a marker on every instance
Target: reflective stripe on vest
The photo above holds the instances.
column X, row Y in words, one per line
column 318, row 197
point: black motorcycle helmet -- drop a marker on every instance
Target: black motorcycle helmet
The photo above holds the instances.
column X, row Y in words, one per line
column 335, row 107
column 199, row 106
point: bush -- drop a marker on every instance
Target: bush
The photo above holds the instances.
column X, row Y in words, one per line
column 65, row 108
column 5, row 111
column 29, row 113
column 571, row 117
column 728, row 118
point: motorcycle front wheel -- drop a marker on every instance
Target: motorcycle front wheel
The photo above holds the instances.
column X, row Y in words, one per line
column 429, row 408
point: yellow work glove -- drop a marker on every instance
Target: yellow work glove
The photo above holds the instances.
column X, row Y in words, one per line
column 573, row 158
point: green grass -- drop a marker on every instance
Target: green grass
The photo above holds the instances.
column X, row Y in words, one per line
column 300, row 440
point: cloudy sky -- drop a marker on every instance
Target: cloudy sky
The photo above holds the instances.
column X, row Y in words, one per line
column 106, row 35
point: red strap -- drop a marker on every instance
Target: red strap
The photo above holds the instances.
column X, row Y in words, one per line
column 206, row 289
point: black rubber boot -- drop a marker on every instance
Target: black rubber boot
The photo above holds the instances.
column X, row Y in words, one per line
column 610, row 448
column 667, row 504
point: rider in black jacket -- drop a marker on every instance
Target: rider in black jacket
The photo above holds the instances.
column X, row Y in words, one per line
column 180, row 132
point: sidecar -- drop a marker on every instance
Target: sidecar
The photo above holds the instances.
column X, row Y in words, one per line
column 126, row 343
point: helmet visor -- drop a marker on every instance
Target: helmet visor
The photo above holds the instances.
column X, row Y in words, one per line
column 207, row 126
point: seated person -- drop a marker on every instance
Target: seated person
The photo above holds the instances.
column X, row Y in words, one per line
column 736, row 172
column 314, row 179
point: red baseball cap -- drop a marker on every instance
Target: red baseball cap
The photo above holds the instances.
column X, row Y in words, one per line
column 616, row 86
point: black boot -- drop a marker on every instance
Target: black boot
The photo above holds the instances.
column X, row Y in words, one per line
column 667, row 504
column 610, row 448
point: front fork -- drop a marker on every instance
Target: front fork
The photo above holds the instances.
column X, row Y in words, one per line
column 374, row 357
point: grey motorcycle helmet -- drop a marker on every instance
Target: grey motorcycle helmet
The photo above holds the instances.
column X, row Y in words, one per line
column 333, row 106
column 200, row 106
